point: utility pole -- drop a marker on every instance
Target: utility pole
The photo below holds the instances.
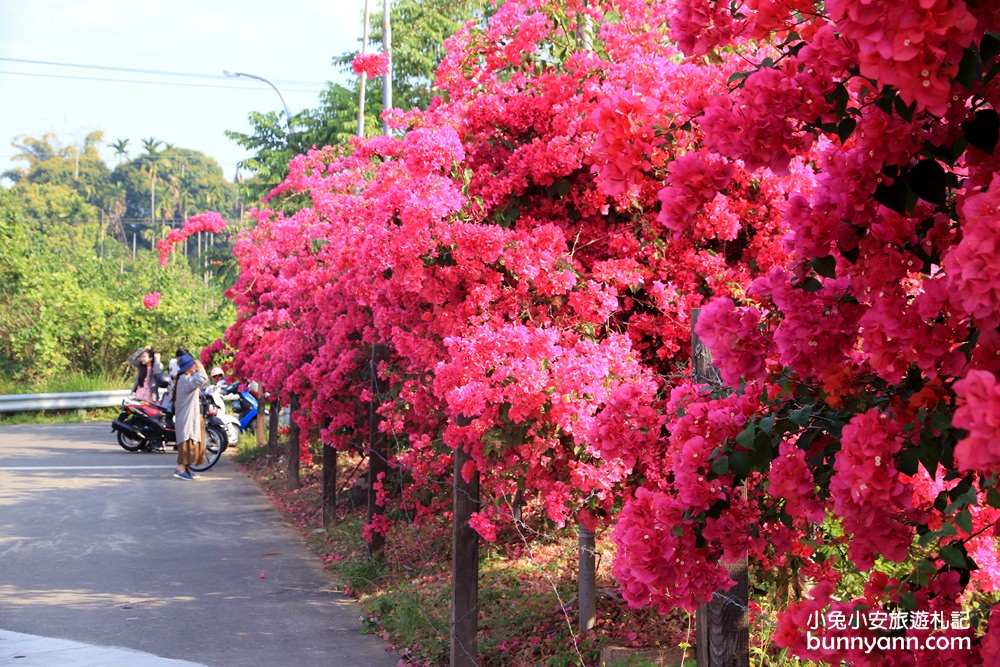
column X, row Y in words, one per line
column 364, row 77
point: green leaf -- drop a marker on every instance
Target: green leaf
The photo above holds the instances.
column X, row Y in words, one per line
column 970, row 70
column 908, row 462
column 846, row 128
column 801, row 416
column 739, row 464
column 953, row 556
column 850, row 255
column 839, row 98
column 810, row 284
column 964, row 520
column 989, row 48
column 720, row 466
column 766, row 425
column 747, row 436
column 904, row 110
column 825, row 266
column 738, row 76
column 928, row 182
column 893, row 195
column 983, row 130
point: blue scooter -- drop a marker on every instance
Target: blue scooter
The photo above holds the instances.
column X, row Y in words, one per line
column 245, row 405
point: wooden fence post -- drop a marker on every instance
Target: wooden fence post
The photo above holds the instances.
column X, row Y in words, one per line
column 329, row 485
column 292, row 477
column 723, row 624
column 260, row 428
column 272, row 425
column 464, row 567
column 587, row 575
column 377, row 451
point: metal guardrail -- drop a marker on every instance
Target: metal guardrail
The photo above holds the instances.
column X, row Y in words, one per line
column 67, row 401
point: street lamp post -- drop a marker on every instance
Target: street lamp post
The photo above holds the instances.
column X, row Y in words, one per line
column 288, row 113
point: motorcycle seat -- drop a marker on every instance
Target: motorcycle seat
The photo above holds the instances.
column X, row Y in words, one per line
column 152, row 410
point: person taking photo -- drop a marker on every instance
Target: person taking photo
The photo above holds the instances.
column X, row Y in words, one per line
column 188, row 420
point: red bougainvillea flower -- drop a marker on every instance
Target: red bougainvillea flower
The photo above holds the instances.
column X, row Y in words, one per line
column 151, row 300
column 372, row 64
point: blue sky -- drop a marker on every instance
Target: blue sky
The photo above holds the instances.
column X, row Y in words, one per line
column 180, row 96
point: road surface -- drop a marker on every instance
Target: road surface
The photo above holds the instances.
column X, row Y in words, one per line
column 105, row 547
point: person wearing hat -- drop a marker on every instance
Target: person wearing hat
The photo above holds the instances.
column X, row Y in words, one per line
column 187, row 415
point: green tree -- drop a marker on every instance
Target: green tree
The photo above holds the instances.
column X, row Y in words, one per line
column 333, row 123
column 65, row 309
column 50, row 204
column 78, row 168
column 120, row 147
column 416, row 52
column 171, row 185
column 418, row 48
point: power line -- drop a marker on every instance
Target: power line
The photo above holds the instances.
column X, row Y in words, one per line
column 147, row 71
column 153, row 83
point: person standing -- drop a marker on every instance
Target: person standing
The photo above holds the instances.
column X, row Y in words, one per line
column 148, row 371
column 188, row 419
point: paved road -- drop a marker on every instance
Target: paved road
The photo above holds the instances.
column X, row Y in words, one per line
column 105, row 547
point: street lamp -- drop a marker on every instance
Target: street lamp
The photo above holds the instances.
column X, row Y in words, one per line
column 288, row 114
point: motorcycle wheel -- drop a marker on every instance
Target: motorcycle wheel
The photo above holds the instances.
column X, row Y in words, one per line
column 130, row 442
column 215, row 444
column 233, row 433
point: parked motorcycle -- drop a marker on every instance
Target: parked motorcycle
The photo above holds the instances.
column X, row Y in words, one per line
column 230, row 423
column 145, row 426
column 245, row 406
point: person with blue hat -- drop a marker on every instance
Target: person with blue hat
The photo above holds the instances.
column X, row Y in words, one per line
column 188, row 419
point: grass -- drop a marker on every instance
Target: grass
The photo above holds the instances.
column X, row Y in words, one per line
column 64, row 383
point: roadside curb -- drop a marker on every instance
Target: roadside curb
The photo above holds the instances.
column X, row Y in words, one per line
column 37, row 651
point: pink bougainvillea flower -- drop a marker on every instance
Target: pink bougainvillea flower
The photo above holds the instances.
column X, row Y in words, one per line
column 978, row 413
column 151, row 300
column 372, row 64
column 204, row 222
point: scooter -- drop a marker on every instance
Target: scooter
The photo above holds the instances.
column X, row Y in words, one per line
column 145, row 426
column 245, row 406
column 230, row 423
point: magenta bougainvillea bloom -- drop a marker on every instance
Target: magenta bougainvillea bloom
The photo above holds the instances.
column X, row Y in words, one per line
column 151, row 300
column 372, row 64
column 204, row 222
column 819, row 178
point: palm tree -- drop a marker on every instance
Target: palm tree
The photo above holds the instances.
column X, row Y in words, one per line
column 151, row 145
column 120, row 147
